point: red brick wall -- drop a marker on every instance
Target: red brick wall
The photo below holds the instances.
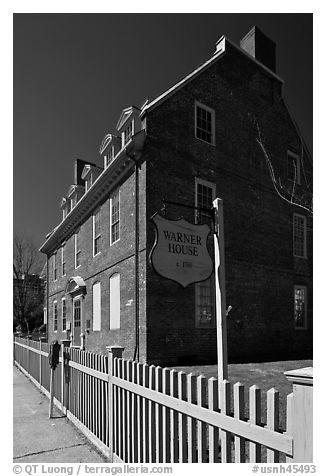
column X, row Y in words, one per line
column 260, row 268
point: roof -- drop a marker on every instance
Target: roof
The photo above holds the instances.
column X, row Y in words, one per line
column 221, row 49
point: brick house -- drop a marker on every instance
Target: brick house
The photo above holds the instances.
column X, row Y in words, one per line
column 224, row 130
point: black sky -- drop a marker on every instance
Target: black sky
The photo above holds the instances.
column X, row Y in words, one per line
column 74, row 73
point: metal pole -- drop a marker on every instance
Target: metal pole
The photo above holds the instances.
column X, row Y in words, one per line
column 222, row 354
column 51, row 391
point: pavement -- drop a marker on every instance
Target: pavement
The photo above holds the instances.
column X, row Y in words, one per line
column 39, row 439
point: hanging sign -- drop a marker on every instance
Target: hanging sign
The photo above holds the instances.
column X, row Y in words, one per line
column 180, row 251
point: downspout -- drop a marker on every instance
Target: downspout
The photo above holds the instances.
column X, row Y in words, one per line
column 47, row 297
column 135, row 157
column 137, row 167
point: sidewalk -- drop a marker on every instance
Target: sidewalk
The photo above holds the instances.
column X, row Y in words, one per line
column 38, row 439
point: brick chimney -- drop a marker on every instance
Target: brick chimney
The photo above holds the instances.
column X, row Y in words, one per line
column 260, row 47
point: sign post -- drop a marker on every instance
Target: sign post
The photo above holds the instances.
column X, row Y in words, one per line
column 222, row 353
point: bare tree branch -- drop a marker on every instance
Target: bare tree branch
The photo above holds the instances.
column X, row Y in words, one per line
column 279, row 189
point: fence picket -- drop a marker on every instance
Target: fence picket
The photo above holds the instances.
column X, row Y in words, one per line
column 173, row 418
column 158, row 416
column 273, row 421
column 255, row 419
column 125, row 455
column 145, row 416
column 192, row 433
column 289, row 420
column 201, row 427
column 182, row 419
column 166, row 418
column 225, row 405
column 239, row 414
column 129, row 414
column 140, row 430
column 152, row 423
column 134, row 416
column 213, row 432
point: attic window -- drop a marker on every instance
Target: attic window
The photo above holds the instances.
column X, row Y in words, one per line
column 204, row 123
column 128, row 132
column 109, row 157
column 73, row 201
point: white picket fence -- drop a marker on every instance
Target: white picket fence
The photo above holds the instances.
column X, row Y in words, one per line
column 137, row 413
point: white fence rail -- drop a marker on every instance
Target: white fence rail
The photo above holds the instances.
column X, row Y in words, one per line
column 144, row 414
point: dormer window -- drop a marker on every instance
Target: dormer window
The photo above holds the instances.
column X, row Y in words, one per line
column 90, row 174
column 109, row 157
column 129, row 124
column 73, row 201
column 64, row 207
column 128, row 133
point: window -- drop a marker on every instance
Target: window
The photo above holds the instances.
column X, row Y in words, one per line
column 77, row 313
column 128, row 133
column 294, row 174
column 300, row 307
column 204, row 196
column 97, row 307
column 204, row 123
column 109, row 157
column 77, row 250
column 55, row 270
column 63, row 261
column 64, row 314
column 55, row 315
column 115, row 301
column 299, row 236
column 115, row 217
column 205, row 304
column 97, row 232
column 73, row 201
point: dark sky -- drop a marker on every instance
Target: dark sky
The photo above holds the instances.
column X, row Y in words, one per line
column 74, row 73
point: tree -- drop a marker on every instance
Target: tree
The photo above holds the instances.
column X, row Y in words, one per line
column 289, row 195
column 28, row 287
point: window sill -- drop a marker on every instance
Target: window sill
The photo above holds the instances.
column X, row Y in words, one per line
column 213, row 144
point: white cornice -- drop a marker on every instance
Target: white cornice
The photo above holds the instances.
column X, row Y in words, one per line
column 102, row 186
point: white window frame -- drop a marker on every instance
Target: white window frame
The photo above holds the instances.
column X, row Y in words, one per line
column 130, row 124
column 109, row 157
column 207, row 184
column 73, row 200
column 212, row 112
column 64, row 317
column 55, row 315
column 212, row 186
column 297, row 215
column 295, row 287
column 210, row 318
column 298, row 167
column 77, row 250
column 96, row 318
column 98, row 212
column 117, row 192
column 63, row 261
